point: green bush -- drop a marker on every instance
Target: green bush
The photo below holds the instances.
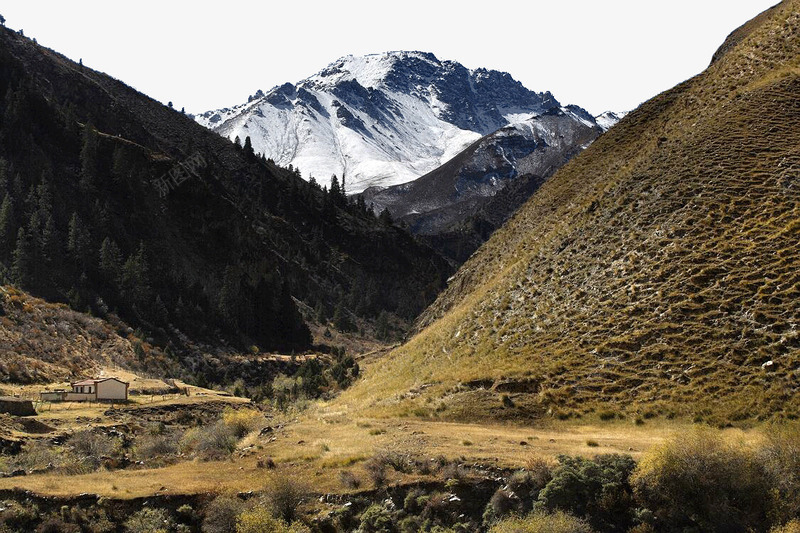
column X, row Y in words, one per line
column 697, row 481
column 598, row 490
column 149, row 520
column 377, row 519
column 539, row 522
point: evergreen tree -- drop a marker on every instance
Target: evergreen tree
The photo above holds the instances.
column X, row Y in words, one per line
column 336, row 191
column 382, row 331
column 4, row 181
column 386, row 217
column 90, row 160
column 248, row 147
column 52, row 239
column 341, row 318
column 8, row 228
column 229, row 297
column 79, row 242
column 22, row 269
column 111, row 261
column 136, row 280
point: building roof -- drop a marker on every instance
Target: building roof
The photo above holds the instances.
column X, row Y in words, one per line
column 96, row 381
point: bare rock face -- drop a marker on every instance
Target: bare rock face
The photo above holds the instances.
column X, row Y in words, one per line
column 457, row 206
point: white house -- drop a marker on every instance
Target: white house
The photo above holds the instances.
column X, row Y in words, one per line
column 90, row 390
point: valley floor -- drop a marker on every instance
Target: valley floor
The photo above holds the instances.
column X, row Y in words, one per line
column 317, row 445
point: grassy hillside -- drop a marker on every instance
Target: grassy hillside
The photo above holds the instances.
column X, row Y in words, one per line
column 657, row 274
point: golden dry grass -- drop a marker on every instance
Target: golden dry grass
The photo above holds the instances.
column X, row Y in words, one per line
column 317, row 446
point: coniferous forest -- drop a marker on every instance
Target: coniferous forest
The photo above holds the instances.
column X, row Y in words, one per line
column 114, row 203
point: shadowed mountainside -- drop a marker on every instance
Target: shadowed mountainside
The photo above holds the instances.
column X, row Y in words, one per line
column 222, row 256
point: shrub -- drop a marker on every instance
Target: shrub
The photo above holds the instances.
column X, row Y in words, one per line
column 398, row 462
column 502, row 503
column 152, row 444
column 57, row 525
column 349, row 480
column 149, row 520
column 214, row 442
column 242, row 421
column 454, row 471
column 558, row 522
column 526, row 485
column 597, row 490
column 376, row 469
column 18, row 517
column 283, row 496
column 90, row 447
column 35, row 455
column 698, row 481
column 258, row 519
column 780, row 459
column 376, row 519
column 540, row 472
column 415, row 501
column 221, row 514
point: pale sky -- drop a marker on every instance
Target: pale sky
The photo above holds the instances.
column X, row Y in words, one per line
column 610, row 54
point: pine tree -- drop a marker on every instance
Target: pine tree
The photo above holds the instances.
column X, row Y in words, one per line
column 90, row 161
column 52, row 239
column 111, row 262
column 336, row 190
column 382, row 331
column 248, row 147
column 8, row 228
column 229, row 300
column 136, row 279
column 341, row 318
column 386, row 217
column 4, row 182
column 79, row 242
column 22, row 269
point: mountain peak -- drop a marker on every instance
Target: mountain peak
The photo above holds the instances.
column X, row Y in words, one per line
column 379, row 119
column 369, row 70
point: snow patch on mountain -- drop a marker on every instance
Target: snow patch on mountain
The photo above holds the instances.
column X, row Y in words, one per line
column 380, row 119
column 609, row 118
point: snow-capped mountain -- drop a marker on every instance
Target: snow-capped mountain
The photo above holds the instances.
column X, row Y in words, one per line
column 379, row 120
column 457, row 206
column 609, row 118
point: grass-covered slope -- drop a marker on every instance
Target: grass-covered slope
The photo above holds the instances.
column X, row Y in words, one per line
column 657, row 273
